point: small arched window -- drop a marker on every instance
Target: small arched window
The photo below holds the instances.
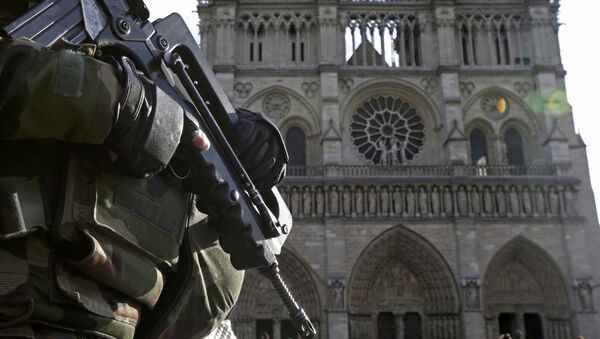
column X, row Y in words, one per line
column 515, row 154
column 479, row 155
column 295, row 141
column 386, row 326
column 412, row 326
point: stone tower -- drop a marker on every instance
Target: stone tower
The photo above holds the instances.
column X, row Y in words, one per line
column 438, row 186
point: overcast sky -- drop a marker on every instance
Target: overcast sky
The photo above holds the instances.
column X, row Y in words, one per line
column 580, row 54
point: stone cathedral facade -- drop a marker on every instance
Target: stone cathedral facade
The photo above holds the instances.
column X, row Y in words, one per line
column 438, row 185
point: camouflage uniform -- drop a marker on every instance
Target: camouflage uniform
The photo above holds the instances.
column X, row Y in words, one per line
column 84, row 250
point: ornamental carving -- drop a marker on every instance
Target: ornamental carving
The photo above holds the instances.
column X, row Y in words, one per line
column 495, row 106
column 277, row 105
column 387, row 131
column 243, row 89
column 310, row 88
column 516, row 201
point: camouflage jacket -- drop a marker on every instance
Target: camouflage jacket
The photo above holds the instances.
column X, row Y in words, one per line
column 81, row 246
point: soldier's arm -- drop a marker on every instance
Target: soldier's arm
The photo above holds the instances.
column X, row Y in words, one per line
column 64, row 95
column 46, row 94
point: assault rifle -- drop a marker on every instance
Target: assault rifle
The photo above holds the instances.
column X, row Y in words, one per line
column 166, row 52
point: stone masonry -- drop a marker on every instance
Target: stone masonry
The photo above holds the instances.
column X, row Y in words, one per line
column 438, row 185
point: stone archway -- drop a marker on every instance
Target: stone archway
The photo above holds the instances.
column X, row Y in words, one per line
column 401, row 273
column 258, row 300
column 522, row 280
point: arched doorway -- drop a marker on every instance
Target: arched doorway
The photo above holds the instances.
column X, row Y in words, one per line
column 400, row 273
column 259, row 309
column 524, row 291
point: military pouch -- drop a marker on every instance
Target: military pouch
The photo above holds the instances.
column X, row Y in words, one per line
column 146, row 216
column 21, row 207
column 113, row 265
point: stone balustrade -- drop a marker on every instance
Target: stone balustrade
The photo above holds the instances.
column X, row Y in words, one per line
column 426, row 171
column 443, row 196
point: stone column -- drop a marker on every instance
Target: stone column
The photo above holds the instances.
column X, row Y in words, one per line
column 224, row 47
column 399, row 325
column 456, row 142
column 428, row 40
column 277, row 328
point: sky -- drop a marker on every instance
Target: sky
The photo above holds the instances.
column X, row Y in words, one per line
column 580, row 57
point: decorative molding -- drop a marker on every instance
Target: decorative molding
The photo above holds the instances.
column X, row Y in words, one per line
column 495, row 106
column 345, row 84
column 430, row 85
column 466, row 88
column 481, row 200
column 310, row 88
column 277, row 105
column 522, row 88
column 243, row 89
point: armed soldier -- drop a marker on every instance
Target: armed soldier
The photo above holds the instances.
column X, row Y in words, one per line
column 99, row 237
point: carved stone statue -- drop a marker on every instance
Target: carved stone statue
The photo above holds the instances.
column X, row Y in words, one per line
column 372, row 201
column 570, row 202
column 347, row 201
column 359, row 204
column 410, row 201
column 384, row 201
column 475, row 201
column 463, row 201
column 553, row 201
column 471, row 292
column 527, row 207
column 435, row 200
column 319, row 201
column 423, row 202
column 500, row 200
column 488, row 201
column 513, row 201
column 334, row 201
column 397, row 198
column 540, row 203
column 295, row 206
column 307, row 201
column 448, row 201
column 584, row 294
column 337, row 295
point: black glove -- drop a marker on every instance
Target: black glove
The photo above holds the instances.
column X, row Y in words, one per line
column 260, row 148
column 147, row 126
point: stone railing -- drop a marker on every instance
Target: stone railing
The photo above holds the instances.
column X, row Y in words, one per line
column 553, row 197
column 395, row 2
column 426, row 171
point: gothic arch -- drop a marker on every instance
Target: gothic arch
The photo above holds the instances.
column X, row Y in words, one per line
column 490, row 136
column 527, row 115
column 405, row 89
column 522, row 278
column 296, row 121
column 408, row 93
column 437, row 298
column 529, row 138
column 305, row 115
column 258, row 299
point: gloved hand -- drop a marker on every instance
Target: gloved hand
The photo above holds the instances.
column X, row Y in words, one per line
column 147, row 125
column 260, row 148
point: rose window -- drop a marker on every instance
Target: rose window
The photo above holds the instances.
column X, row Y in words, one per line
column 387, row 131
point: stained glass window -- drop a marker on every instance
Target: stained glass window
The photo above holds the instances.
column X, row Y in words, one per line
column 387, row 131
